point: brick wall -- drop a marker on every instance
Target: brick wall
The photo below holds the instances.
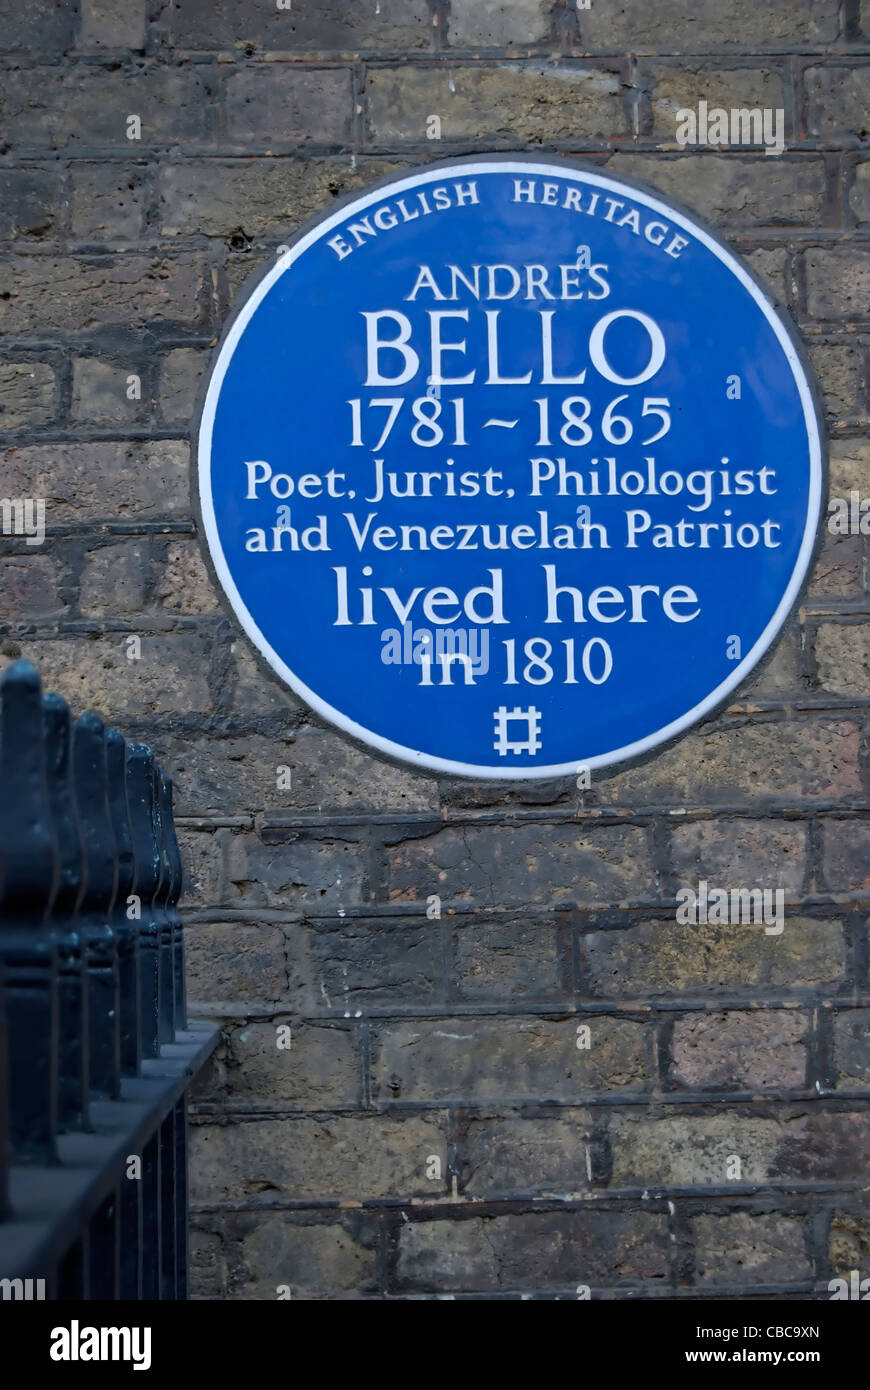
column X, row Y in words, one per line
column 434, row 1127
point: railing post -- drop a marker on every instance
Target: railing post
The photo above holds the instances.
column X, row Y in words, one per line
column 73, row 1053
column 166, row 910
column 4, row 1102
column 91, row 982
column 140, row 796
column 30, row 874
column 177, row 925
column 126, row 927
column 152, row 1236
column 101, row 877
column 182, row 1237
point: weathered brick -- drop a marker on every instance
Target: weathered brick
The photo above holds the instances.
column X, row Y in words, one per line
column 27, row 395
column 327, row 771
column 28, row 203
column 500, row 105
column 40, row 294
column 226, row 776
column 741, row 854
column 734, row 190
column 690, row 1151
column 115, row 579
column 745, row 1050
column 527, row 1251
column 118, row 482
column 99, row 393
column 368, row 964
column 241, row 266
column 781, row 673
column 107, row 203
column 846, row 856
column 106, row 25
column 207, row 1272
column 838, row 282
column 542, row 1154
column 859, row 193
column 849, row 1244
column 837, row 103
column 352, row 1158
column 185, row 586
column 771, row 264
column 269, row 106
column 43, row 26
column 180, row 373
column 517, row 960
column 330, row 1260
column 664, row 958
column 269, row 197
column 840, row 370
column 843, row 658
column 851, row 1030
column 95, row 673
column 695, row 1150
column 229, row 961
column 780, row 761
column 202, row 860
column 635, row 26
column 825, row 1147
column 840, row 568
column 87, row 108
column 254, row 689
column 750, row 1247
column 324, row 875
column 677, row 87
column 482, row 1060
column 494, row 24
column 28, row 585
column 318, row 1071
column 849, row 466
column 314, row 25
column 508, row 865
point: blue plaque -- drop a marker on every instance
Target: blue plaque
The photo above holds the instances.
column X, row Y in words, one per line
column 510, row 468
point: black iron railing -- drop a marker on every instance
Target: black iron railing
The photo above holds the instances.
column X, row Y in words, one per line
column 96, row 1053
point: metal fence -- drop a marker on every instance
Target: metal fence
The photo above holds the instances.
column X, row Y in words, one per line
column 96, row 1053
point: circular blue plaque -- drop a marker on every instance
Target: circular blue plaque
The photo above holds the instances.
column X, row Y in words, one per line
column 510, row 468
